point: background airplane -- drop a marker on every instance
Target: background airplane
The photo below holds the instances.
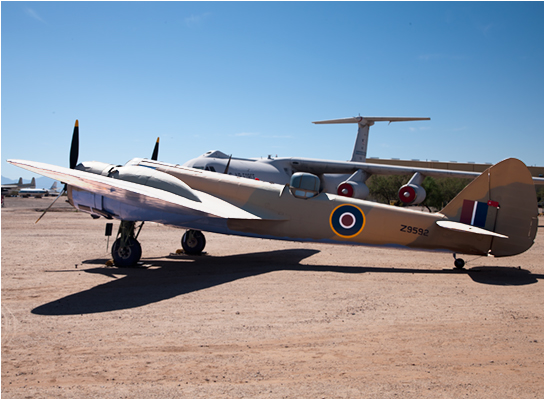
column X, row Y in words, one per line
column 8, row 188
column 345, row 178
column 38, row 193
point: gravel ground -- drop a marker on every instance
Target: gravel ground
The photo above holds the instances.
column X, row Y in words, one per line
column 258, row 318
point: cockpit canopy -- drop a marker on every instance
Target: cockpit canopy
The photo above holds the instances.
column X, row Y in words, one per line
column 215, row 154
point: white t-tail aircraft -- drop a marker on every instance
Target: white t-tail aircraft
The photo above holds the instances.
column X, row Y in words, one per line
column 495, row 215
column 38, row 193
column 345, row 178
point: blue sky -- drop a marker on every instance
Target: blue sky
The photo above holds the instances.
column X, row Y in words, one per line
column 248, row 78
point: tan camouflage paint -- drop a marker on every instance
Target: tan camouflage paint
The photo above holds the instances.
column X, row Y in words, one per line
column 287, row 217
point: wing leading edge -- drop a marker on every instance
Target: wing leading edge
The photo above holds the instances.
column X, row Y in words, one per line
column 138, row 195
column 348, row 167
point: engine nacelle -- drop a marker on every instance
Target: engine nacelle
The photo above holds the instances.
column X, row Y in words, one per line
column 358, row 190
column 95, row 167
column 304, row 185
column 412, row 194
column 151, row 177
column 98, row 205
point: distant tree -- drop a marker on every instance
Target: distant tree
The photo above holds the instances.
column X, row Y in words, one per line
column 440, row 191
column 539, row 194
column 384, row 188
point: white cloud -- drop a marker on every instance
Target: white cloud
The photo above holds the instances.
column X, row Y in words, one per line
column 419, row 128
column 254, row 134
column 195, row 20
column 246, row 134
column 33, row 14
column 279, row 137
column 485, row 28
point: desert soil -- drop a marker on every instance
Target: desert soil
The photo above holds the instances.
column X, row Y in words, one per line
column 258, row 318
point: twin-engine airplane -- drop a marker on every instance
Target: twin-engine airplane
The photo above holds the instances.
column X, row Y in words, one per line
column 345, row 178
column 496, row 214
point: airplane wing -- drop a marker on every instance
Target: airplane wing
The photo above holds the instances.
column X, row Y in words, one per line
column 348, row 167
column 359, row 156
column 316, row 166
column 138, row 195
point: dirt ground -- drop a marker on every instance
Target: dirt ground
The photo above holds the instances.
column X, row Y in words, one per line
column 258, row 318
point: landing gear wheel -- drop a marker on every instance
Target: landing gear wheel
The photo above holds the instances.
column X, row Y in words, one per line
column 128, row 255
column 193, row 242
column 459, row 263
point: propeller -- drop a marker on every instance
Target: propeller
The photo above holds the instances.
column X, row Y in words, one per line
column 74, row 147
column 74, row 151
column 155, row 151
column 227, row 166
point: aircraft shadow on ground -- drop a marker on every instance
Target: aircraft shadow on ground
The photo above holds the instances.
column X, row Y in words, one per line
column 168, row 278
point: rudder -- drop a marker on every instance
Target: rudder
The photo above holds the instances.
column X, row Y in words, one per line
column 502, row 200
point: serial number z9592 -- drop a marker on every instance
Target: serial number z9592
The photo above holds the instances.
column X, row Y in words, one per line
column 414, row 230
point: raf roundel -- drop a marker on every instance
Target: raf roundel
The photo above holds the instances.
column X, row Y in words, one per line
column 347, row 220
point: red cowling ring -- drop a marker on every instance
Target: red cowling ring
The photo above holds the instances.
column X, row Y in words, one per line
column 407, row 194
column 345, row 187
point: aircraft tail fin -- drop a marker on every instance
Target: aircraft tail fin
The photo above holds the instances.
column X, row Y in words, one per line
column 360, row 147
column 502, row 200
column 33, row 183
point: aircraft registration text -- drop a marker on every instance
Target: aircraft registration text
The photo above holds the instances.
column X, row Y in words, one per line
column 414, row 230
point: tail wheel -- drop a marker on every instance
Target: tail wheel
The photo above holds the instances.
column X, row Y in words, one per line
column 128, row 254
column 193, row 242
column 459, row 263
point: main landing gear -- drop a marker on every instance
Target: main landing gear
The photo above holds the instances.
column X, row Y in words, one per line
column 193, row 242
column 126, row 250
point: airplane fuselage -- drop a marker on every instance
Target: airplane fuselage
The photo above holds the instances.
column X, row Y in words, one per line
column 324, row 218
column 273, row 170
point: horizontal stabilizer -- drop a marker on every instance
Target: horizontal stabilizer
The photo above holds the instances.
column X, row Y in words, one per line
column 369, row 120
column 460, row 227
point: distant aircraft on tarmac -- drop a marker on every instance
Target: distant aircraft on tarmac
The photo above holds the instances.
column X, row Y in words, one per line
column 15, row 187
column 496, row 214
column 38, row 193
column 345, row 178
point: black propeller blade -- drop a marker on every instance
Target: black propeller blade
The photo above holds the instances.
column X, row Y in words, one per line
column 155, row 151
column 74, row 148
column 227, row 166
